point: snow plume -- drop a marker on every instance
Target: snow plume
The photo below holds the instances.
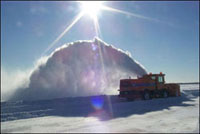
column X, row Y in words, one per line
column 82, row 68
column 11, row 81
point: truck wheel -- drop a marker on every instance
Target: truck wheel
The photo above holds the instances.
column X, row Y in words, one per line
column 146, row 95
column 165, row 94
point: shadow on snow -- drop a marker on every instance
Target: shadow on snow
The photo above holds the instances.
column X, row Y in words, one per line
column 104, row 107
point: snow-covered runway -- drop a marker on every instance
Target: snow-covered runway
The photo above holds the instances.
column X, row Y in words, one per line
column 104, row 114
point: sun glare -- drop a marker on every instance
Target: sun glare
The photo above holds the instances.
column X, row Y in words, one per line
column 91, row 8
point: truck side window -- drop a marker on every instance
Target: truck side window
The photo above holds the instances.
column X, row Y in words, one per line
column 153, row 77
column 125, row 84
column 160, row 79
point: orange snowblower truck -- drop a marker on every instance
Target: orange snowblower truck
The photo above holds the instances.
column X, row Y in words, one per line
column 147, row 87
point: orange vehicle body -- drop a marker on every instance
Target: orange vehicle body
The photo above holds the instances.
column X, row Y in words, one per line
column 147, row 87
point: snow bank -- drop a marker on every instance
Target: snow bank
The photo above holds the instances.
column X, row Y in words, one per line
column 82, row 68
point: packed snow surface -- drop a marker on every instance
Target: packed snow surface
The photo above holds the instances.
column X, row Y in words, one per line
column 81, row 68
column 104, row 113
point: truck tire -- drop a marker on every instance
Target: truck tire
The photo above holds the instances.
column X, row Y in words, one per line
column 146, row 95
column 165, row 94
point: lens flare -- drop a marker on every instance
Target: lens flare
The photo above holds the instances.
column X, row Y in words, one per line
column 130, row 14
column 91, row 8
column 97, row 102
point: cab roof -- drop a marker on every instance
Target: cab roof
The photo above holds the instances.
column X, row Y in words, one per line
column 146, row 75
column 154, row 75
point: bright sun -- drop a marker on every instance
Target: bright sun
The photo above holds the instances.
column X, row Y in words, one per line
column 91, row 8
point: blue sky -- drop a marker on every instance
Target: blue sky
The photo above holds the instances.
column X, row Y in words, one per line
column 170, row 45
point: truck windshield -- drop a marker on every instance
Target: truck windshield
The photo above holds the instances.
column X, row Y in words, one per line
column 153, row 77
column 160, row 79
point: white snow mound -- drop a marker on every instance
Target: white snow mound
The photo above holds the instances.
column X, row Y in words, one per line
column 81, row 68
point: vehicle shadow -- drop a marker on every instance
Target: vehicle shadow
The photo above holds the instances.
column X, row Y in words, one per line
column 104, row 107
